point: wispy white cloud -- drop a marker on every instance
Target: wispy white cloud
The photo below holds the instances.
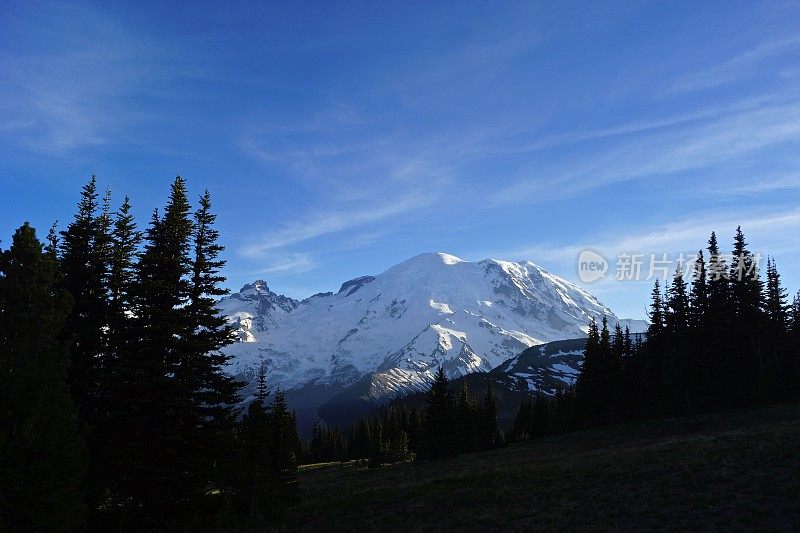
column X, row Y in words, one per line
column 331, row 222
column 76, row 76
column 737, row 67
column 694, row 146
column 294, row 263
column 55, row 96
column 755, row 186
column 770, row 233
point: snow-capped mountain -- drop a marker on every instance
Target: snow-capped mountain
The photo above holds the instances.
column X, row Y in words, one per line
column 395, row 329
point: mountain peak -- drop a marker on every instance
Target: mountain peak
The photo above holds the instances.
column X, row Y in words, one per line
column 449, row 259
column 427, row 260
column 431, row 310
column 259, row 286
column 435, row 257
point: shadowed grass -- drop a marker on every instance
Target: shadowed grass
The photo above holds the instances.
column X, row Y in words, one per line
column 737, row 470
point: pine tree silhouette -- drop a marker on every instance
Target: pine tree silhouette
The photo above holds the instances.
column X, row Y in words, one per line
column 42, row 452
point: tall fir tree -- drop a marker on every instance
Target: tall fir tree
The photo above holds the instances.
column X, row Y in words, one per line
column 776, row 304
column 717, row 321
column 436, row 439
column 745, row 285
column 125, row 241
column 214, row 392
column 119, row 345
column 676, row 309
column 42, row 451
column 617, row 356
column 698, row 294
column 676, row 366
column 283, row 439
column 775, row 380
column 161, row 474
column 256, row 475
column 587, row 385
column 466, row 421
column 488, row 425
column 718, row 292
column 656, row 314
column 83, row 263
column 745, row 356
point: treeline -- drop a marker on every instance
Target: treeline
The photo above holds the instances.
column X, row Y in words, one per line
column 450, row 423
column 114, row 409
column 726, row 338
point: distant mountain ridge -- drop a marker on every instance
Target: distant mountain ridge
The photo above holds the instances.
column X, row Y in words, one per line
column 543, row 368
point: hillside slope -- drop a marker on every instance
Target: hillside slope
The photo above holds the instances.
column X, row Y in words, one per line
column 722, row 471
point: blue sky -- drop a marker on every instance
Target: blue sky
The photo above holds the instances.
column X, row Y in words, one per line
column 340, row 138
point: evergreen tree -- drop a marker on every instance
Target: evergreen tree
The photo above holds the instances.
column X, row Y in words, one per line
column 676, row 309
column 776, row 370
column 84, row 256
column 588, row 381
column 776, row 304
column 283, row 437
column 360, row 440
column 315, row 447
column 378, row 444
column 627, row 343
column 620, row 343
column 399, row 450
column 436, row 433
column 676, row 366
column 607, row 379
column 540, row 416
column 159, row 432
column 119, row 345
column 52, row 246
column 702, row 364
column 718, row 291
column 214, row 392
column 124, row 253
column 257, row 473
column 718, row 317
column 42, row 452
column 745, row 354
column 488, row 426
column 698, row 295
column 745, row 286
column 651, row 365
column 262, row 391
column 520, row 427
column 85, row 264
column 656, row 315
column 466, row 421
